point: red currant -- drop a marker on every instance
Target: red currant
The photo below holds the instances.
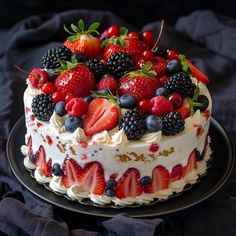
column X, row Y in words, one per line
column 76, row 107
column 148, row 38
column 49, row 88
column 144, row 106
column 58, row 96
column 163, row 80
column 172, row 54
column 133, row 34
column 113, row 30
column 68, row 97
column 147, row 55
column 176, row 100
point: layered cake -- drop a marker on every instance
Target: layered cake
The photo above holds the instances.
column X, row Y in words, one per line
column 116, row 119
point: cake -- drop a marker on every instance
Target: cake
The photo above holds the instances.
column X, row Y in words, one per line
column 116, row 120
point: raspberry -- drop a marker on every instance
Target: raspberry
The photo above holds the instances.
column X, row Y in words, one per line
column 160, row 106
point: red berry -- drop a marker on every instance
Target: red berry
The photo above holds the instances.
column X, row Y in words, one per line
column 76, row 107
column 38, row 77
column 148, row 38
column 176, row 100
column 58, row 96
column 49, row 88
column 113, row 30
column 133, row 34
column 147, row 55
column 144, row 106
column 68, row 97
column 140, row 64
column 108, row 82
column 160, row 106
column 163, row 80
column 103, row 35
column 172, row 54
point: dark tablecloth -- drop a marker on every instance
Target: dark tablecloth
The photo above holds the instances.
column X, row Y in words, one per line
column 206, row 38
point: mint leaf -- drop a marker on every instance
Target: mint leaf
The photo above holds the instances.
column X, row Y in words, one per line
column 196, row 93
column 185, row 66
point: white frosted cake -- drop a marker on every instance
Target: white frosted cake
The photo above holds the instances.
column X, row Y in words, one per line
column 119, row 119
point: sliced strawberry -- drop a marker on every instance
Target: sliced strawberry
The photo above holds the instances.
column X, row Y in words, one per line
column 177, row 173
column 184, row 110
column 192, row 163
column 71, row 172
column 197, row 73
column 101, row 115
column 40, row 160
column 128, row 185
column 29, row 144
column 160, row 179
column 92, row 179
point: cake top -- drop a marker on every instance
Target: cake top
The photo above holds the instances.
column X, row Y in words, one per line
column 116, row 80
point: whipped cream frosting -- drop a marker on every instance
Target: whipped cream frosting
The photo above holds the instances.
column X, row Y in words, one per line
column 102, row 137
column 57, row 185
column 154, row 137
column 58, row 122
column 79, row 135
column 119, row 138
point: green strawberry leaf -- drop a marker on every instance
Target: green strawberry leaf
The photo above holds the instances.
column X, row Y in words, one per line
column 69, row 32
column 73, row 38
column 94, row 26
column 81, row 25
column 185, row 66
column 196, row 93
column 74, row 28
column 123, row 31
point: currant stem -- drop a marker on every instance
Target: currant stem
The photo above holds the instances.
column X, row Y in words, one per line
column 160, row 33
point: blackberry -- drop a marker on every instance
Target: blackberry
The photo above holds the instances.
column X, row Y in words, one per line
column 133, row 124
column 119, row 63
column 180, row 83
column 50, row 58
column 43, row 106
column 173, row 123
column 97, row 67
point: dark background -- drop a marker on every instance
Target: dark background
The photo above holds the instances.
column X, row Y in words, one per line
column 137, row 12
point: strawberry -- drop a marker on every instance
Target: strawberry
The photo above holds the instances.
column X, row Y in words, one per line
column 49, row 88
column 197, row 73
column 108, row 82
column 71, row 171
column 101, row 115
column 128, row 185
column 192, row 163
column 160, row 179
column 91, row 178
column 159, row 66
column 141, row 83
column 38, row 77
column 113, row 48
column 83, row 41
column 160, row 106
column 40, row 160
column 177, row 173
column 76, row 79
column 184, row 110
column 29, row 145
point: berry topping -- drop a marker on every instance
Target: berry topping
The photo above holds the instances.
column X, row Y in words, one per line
column 43, row 106
column 49, row 88
column 83, row 41
column 72, row 123
column 110, row 192
column 144, row 106
column 133, row 124
column 172, row 54
column 160, row 179
column 56, row 169
column 176, row 100
column 203, row 103
column 159, row 66
column 153, row 123
column 58, row 96
column 53, row 56
column 68, row 97
column 80, row 57
column 148, row 38
column 88, row 99
column 97, row 67
column 180, row 83
column 76, row 79
column 119, row 63
column 76, row 107
column 60, row 108
column 111, row 183
column 173, row 123
column 146, row 180
column 162, row 91
column 160, row 51
column 38, row 77
column 173, row 66
column 160, row 106
column 108, row 82
column 177, row 173
column 127, row 101
column 184, row 110
column 101, row 115
column 147, row 55
column 128, row 185
column 162, row 80
column 113, row 30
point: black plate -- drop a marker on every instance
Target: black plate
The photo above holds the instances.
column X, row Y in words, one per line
column 222, row 164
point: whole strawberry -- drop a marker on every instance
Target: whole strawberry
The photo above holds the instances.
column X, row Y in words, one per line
column 83, row 41
column 76, row 79
column 108, row 82
column 159, row 66
column 141, row 83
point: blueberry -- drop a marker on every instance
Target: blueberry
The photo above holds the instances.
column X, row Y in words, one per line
column 72, row 123
column 88, row 99
column 60, row 108
column 204, row 103
column 110, row 192
column 199, row 156
column 127, row 101
column 111, row 183
column 146, row 180
column 32, row 157
column 56, row 169
column 80, row 57
column 174, row 66
column 162, row 91
column 154, row 123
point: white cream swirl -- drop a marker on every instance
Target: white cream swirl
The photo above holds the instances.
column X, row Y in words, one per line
column 76, row 193
column 40, row 177
column 79, row 135
column 151, row 137
column 102, row 137
column 124, row 201
column 32, row 91
column 57, row 185
column 178, row 185
column 163, row 194
column 119, row 138
column 201, row 167
column 58, row 122
column 28, row 164
column 144, row 198
column 191, row 177
column 101, row 200
column 24, row 150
